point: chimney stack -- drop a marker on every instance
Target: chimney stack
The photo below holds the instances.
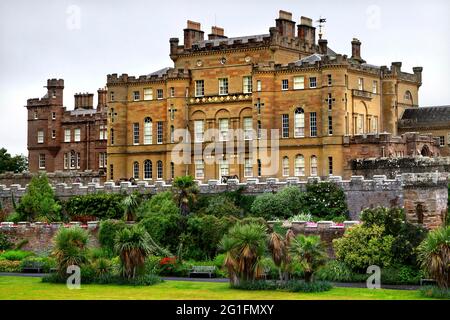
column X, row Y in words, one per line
column 418, row 72
column 84, row 101
column 192, row 33
column 285, row 25
column 323, row 46
column 101, row 102
column 174, row 46
column 217, row 33
column 356, row 50
column 305, row 31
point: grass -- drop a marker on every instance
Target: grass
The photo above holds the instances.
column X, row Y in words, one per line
column 24, row 288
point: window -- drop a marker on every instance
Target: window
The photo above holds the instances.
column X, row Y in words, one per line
column 285, row 84
column 102, row 160
column 35, row 115
column 136, row 170
column 285, row 167
column 313, row 82
column 111, row 136
column 258, row 106
column 172, row 92
column 299, row 123
column 159, row 173
column 159, row 94
column 313, row 124
column 112, row 115
column 136, row 96
column 223, row 129
column 172, row 134
column 66, row 135
column 77, row 135
column 299, row 83
column 258, row 85
column 374, row 86
column 148, row 169
column 360, row 84
column 330, row 101
column 259, row 167
column 53, row 134
column 346, row 81
column 330, row 80
column 160, row 132
column 135, row 133
column 360, row 124
column 198, row 130
column 199, row 169
column 111, row 172
column 111, row 96
column 73, row 159
column 199, row 88
column 248, row 168
column 53, row 115
column 102, row 132
column 330, row 125
column 78, row 160
column 148, row 94
column 248, row 128
column 148, row 131
column 299, row 166
column 448, row 138
column 223, row 86
column 313, row 166
column 408, row 95
column 258, row 129
column 247, row 85
column 41, row 161
column 40, row 136
column 223, row 168
column 66, row 161
column 172, row 170
column 374, row 124
column 442, row 141
column 285, row 125
column 330, row 166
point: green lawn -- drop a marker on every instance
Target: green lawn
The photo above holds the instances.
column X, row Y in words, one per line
column 33, row 289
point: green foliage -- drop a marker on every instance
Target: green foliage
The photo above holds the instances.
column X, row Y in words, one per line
column 292, row 198
column 161, row 203
column 38, row 203
column 220, row 206
column 401, row 275
column 16, row 164
column 304, row 286
column 44, row 263
column 310, row 253
column 185, row 190
column 362, row 246
column 130, row 204
column 290, row 286
column 164, row 229
column 107, row 232
column 10, row 266
column 435, row 292
column 301, row 217
column 15, row 255
column 98, row 205
column 269, row 206
column 335, row 270
column 142, row 280
column 14, row 217
column 325, row 200
column 70, row 248
column 5, row 244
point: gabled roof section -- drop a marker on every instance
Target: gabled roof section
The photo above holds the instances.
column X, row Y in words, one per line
column 160, row 73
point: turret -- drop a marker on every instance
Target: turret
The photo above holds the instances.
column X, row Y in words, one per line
column 55, row 88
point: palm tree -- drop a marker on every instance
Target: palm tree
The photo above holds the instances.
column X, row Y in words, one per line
column 310, row 253
column 130, row 204
column 70, row 248
column 133, row 246
column 434, row 255
column 244, row 245
column 279, row 249
column 185, row 190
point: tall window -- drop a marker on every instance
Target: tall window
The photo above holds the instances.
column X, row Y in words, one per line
column 374, row 124
column 258, row 163
column 135, row 133
column 136, row 170
column 258, row 129
column 136, row 96
column 330, row 125
column 247, row 85
column 258, row 85
column 199, row 129
column 285, row 84
column 285, row 167
column 102, row 160
column 77, row 135
column 330, row 80
column 360, row 124
column 159, row 169
column 313, row 165
column 53, row 115
column 148, row 131
column 111, row 136
column 248, row 128
column 78, row 160
column 41, row 161
column 172, row 92
column 73, row 159
column 374, row 86
column 313, row 124
column 223, row 129
column 111, row 96
column 111, row 172
column 35, row 115
column 40, row 136
column 112, row 115
column 224, row 168
column 408, row 95
column 313, row 82
column 159, row 94
column 53, row 134
column 172, row 170
column 299, row 123
column 199, row 169
column 285, row 125
column 172, row 134
column 442, row 141
column 66, row 135
column 148, row 169
column 223, row 86
column 330, row 166
column 102, row 132
column 248, row 168
column 66, row 161
column 299, row 165
column 199, row 88
column 160, row 132
column 148, row 94
column 330, row 101
column 360, row 84
column 299, row 83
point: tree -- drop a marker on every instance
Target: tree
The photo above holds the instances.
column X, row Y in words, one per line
column 244, row 245
column 434, row 254
column 270, row 206
column 310, row 252
column 130, row 204
column 16, row 164
column 185, row 191
column 70, row 248
column 279, row 249
column 325, row 200
column 39, row 202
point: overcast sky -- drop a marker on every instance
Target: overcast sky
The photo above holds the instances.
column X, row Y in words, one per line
column 82, row 41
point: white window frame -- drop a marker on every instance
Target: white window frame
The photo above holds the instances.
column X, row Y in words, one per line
column 258, row 85
column 40, row 136
column 248, row 168
column 285, row 125
column 299, row 123
column 199, row 169
column 103, row 132
column 313, row 82
column 247, row 84
column 136, row 95
column 248, row 128
column 199, row 88
column 160, row 134
column 67, row 135
column 136, row 133
column 41, row 161
column 313, row 124
column 136, row 170
column 375, row 87
column 223, row 86
column 77, row 135
column 299, row 83
column 66, row 161
column 299, row 167
column 313, row 166
column 53, row 115
column 172, row 92
column 199, row 130
column 285, row 166
column 224, row 168
column 361, row 84
column 148, row 94
column 148, row 130
column 224, row 127
column 159, row 170
column 148, row 169
column 284, row 84
column 159, row 94
column 53, row 134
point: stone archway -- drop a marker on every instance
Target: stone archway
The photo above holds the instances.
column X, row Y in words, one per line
column 425, row 151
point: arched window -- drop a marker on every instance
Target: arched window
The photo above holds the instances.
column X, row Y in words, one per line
column 148, row 169
column 136, row 170
column 408, row 95
column 285, row 166
column 148, row 129
column 313, row 166
column 299, row 123
column 299, row 165
column 159, row 173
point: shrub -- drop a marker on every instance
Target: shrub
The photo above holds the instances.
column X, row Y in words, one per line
column 291, row 286
column 44, row 263
column 292, row 197
column 302, row 286
column 362, row 246
column 39, row 202
column 435, row 292
column 221, row 206
column 143, row 280
column 335, row 270
column 107, row 232
column 269, row 206
column 325, row 200
column 10, row 266
column 95, row 206
column 164, row 229
column 400, row 275
column 70, row 248
column 14, row 217
column 5, row 244
column 16, row 255
column 301, row 217
column 161, row 204
column 184, row 190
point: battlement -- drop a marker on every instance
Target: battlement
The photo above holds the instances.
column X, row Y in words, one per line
column 170, row 74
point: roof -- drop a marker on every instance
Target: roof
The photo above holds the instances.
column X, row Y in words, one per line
column 159, row 73
column 312, row 59
column 426, row 115
column 229, row 41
